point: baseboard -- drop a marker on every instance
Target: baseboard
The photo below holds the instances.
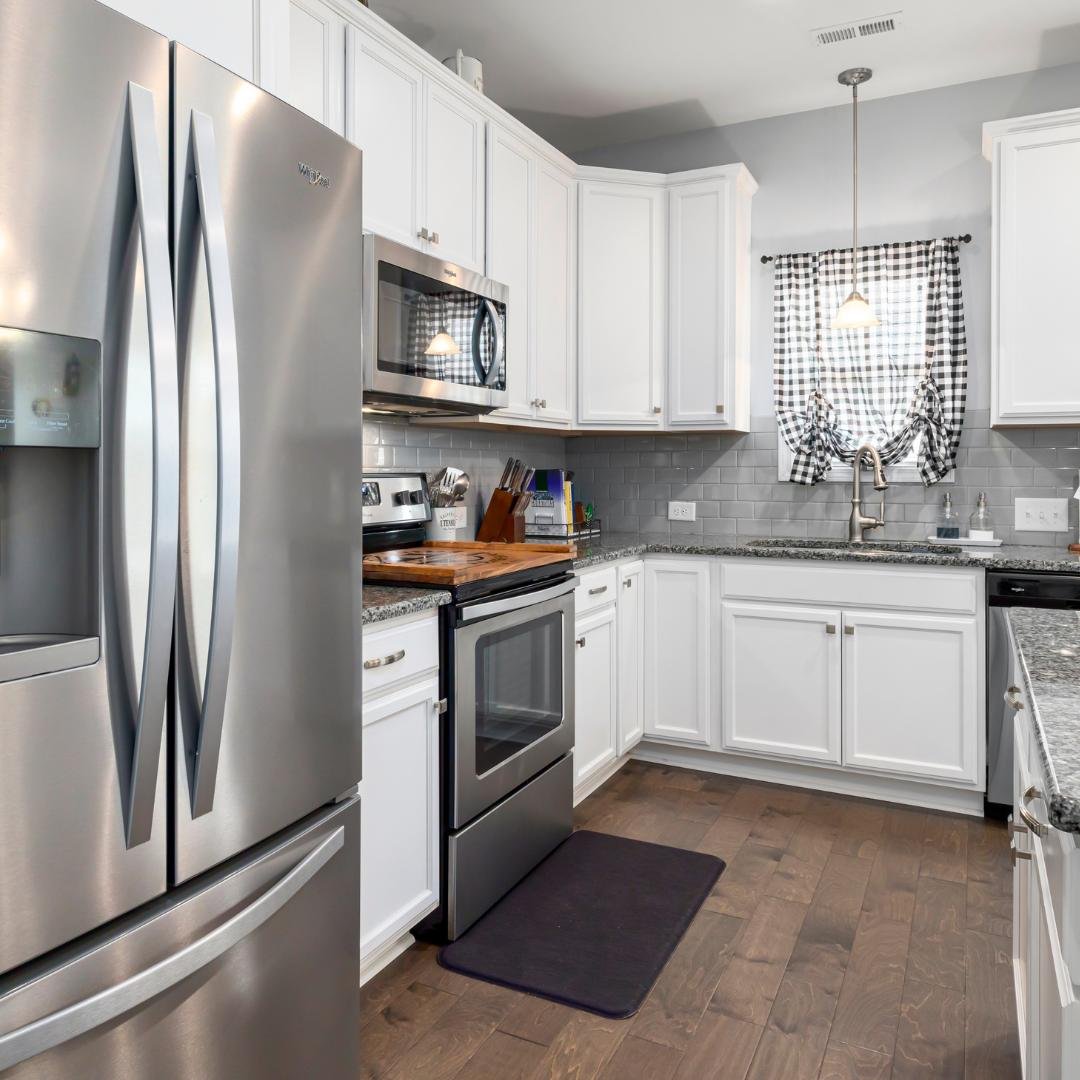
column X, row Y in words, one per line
column 884, row 789
column 599, row 778
column 385, row 956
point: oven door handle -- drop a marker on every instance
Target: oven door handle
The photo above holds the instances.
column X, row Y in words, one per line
column 516, row 603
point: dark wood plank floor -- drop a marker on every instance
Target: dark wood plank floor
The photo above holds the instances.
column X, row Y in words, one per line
column 847, row 940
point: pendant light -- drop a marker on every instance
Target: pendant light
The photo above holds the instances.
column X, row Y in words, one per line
column 854, row 313
column 442, row 344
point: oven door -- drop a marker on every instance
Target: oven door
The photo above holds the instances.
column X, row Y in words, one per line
column 437, row 332
column 514, row 694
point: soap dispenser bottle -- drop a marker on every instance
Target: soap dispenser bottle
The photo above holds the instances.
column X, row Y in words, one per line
column 948, row 526
column 981, row 524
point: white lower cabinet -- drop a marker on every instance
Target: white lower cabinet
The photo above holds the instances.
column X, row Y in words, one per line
column 678, row 683
column 631, row 666
column 399, row 843
column 911, row 701
column 595, row 693
column 781, row 680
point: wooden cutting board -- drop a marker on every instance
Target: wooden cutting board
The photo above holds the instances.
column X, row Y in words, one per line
column 456, row 562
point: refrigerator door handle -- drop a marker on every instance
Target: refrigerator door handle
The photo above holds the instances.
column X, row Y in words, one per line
column 83, row 1016
column 227, row 385
column 153, row 219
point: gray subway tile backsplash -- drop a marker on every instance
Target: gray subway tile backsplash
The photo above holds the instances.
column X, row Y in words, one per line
column 732, row 478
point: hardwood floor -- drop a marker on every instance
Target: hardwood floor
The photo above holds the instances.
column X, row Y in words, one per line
column 846, row 940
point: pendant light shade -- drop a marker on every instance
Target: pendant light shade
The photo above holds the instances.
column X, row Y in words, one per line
column 855, row 312
column 442, row 344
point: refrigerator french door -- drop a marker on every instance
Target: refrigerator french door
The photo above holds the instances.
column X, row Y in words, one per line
column 180, row 273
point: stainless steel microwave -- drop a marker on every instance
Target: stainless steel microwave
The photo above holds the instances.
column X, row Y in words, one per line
column 434, row 334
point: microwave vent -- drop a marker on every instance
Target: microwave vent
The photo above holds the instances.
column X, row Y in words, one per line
column 857, row 29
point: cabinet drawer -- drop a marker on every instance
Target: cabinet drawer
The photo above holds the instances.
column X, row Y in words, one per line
column 400, row 652
column 841, row 585
column 596, row 589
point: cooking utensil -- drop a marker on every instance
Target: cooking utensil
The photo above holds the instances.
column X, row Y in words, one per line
column 460, row 489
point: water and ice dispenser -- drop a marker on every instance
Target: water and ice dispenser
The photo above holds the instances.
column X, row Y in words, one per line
column 50, row 439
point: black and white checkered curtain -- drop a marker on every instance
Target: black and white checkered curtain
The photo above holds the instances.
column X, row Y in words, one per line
column 887, row 385
column 457, row 313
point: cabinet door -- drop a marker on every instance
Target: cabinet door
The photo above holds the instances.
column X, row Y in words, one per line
column 678, row 706
column 509, row 257
column 399, row 851
column 701, row 359
column 780, row 673
column 911, row 695
column 555, row 295
column 384, row 114
column 1022, row 923
column 1036, row 228
column 595, row 699
column 454, row 177
column 621, row 304
column 315, row 79
column 631, row 667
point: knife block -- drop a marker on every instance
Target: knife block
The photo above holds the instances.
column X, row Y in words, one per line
column 504, row 520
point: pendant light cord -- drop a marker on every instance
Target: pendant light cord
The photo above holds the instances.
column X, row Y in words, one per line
column 855, row 187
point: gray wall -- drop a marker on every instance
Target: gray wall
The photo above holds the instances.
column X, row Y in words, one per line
column 922, row 174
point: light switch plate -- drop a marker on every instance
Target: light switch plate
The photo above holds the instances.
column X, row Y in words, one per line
column 682, row 511
column 1042, row 515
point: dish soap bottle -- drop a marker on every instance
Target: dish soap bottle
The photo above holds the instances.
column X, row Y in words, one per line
column 981, row 524
column 948, row 527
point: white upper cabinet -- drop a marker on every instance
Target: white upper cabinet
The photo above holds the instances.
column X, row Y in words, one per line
column 621, row 299
column 454, row 177
column 1036, row 233
column 554, row 295
column 314, row 74
column 384, row 117
column 510, row 182
column 708, row 360
column 423, row 153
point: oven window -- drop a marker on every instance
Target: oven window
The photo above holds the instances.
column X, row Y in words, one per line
column 434, row 331
column 519, row 688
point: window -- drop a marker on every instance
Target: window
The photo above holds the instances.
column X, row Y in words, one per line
column 900, row 386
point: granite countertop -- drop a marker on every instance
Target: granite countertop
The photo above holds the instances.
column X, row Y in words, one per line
column 1049, row 643
column 383, row 602
column 1007, row 557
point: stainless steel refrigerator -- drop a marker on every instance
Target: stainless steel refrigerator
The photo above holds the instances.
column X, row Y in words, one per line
column 180, row 388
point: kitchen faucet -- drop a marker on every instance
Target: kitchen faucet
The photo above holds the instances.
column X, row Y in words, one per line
column 859, row 524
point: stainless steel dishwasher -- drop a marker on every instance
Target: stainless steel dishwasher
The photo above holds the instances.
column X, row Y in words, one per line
column 1005, row 590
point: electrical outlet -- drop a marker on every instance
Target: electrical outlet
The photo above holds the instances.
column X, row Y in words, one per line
column 682, row 511
column 1042, row 515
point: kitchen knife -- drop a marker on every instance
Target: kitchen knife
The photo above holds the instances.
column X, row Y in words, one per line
column 507, row 473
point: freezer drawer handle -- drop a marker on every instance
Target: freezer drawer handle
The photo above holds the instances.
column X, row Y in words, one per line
column 153, row 681
column 227, row 387
column 98, row 1009
column 384, row 661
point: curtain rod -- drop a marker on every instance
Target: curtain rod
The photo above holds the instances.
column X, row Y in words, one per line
column 964, row 239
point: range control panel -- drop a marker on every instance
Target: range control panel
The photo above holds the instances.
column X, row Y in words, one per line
column 395, row 499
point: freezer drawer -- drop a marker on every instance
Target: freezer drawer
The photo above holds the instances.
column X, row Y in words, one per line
column 251, row 971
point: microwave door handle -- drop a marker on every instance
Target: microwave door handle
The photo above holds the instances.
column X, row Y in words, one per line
column 153, row 220
column 227, row 387
column 500, row 343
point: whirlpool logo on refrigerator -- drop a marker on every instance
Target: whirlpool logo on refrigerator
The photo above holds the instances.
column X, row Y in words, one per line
column 313, row 176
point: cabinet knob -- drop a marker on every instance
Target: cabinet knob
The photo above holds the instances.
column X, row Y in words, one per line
column 434, row 237
column 1016, row 854
column 830, row 628
column 1011, row 696
column 543, row 403
column 656, row 409
column 628, row 583
column 423, row 234
column 580, row 642
column 720, row 409
column 849, row 630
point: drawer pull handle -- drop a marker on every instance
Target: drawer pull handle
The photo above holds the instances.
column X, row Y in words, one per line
column 598, row 590
column 384, row 661
column 1016, row 854
column 580, row 642
column 1011, row 696
column 1039, row 828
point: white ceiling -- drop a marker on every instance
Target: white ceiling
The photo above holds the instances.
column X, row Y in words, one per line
column 589, row 73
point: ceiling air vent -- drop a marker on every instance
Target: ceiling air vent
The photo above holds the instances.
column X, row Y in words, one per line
column 856, row 30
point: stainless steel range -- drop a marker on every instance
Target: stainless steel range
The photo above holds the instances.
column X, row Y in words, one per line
column 507, row 673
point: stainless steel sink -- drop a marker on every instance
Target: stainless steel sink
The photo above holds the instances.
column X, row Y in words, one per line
column 867, row 549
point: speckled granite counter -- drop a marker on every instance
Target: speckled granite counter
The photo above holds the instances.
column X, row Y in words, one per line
column 1049, row 642
column 383, row 602
column 1008, row 557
